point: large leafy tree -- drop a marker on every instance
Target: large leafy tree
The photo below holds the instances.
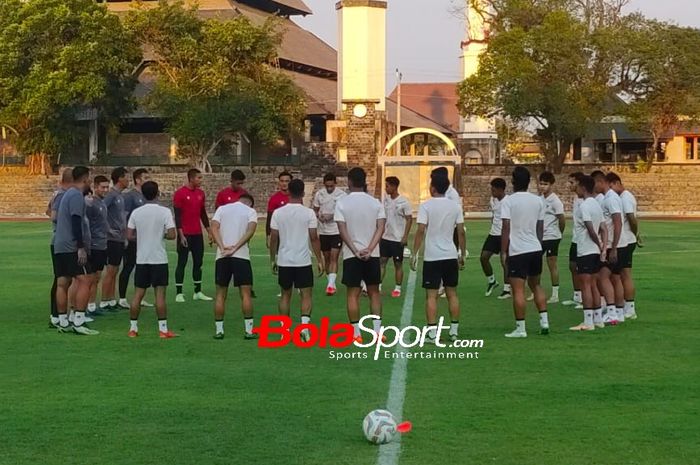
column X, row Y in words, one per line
column 661, row 70
column 58, row 58
column 549, row 65
column 215, row 78
column 546, row 67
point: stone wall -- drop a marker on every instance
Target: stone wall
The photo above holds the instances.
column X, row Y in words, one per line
column 668, row 190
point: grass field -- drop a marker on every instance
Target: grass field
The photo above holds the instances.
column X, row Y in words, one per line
column 625, row 395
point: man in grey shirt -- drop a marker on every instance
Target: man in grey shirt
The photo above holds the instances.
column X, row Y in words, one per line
column 99, row 225
column 71, row 255
column 133, row 199
column 51, row 211
column 116, row 236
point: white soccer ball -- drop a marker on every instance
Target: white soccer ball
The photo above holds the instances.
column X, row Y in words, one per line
column 379, row 426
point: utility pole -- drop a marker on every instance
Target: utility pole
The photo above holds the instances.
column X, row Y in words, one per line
column 399, row 76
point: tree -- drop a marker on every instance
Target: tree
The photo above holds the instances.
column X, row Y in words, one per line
column 662, row 71
column 57, row 58
column 548, row 64
column 215, row 78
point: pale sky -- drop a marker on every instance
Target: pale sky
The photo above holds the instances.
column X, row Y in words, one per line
column 423, row 36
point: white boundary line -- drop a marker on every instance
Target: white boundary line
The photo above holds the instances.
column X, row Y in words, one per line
column 389, row 453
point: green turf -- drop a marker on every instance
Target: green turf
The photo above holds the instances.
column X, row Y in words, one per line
column 626, row 395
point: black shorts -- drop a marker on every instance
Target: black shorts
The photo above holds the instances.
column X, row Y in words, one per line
column 615, row 268
column 627, row 258
column 492, row 244
column 236, row 269
column 66, row 265
column 391, row 249
column 97, row 259
column 525, row 265
column 300, row 277
column 551, row 247
column 356, row 270
column 147, row 276
column 573, row 253
column 115, row 253
column 330, row 242
column 588, row 264
column 440, row 271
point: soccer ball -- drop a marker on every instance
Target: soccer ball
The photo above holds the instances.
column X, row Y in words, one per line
column 379, row 426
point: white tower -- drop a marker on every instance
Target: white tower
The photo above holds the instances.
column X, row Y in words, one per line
column 480, row 133
column 362, row 51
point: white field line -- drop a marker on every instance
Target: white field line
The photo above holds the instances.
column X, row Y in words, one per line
column 389, row 453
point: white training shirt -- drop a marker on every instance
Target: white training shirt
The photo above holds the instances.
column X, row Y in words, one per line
column 524, row 210
column 496, row 222
column 553, row 207
column 600, row 198
column 611, row 205
column 396, row 211
column 629, row 205
column 293, row 222
column 360, row 212
column 577, row 203
column 441, row 216
column 151, row 221
column 325, row 203
column 589, row 210
column 234, row 219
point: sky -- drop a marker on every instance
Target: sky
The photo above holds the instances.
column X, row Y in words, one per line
column 424, row 43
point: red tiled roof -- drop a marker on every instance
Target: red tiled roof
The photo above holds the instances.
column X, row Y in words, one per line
column 435, row 100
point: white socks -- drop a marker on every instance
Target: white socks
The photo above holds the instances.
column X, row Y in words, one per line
column 555, row 292
column 63, row 319
column 506, row 288
column 355, row 329
column 577, row 297
column 331, row 279
column 598, row 315
column 219, row 326
column 629, row 307
column 588, row 317
column 92, row 307
column 454, row 328
column 163, row 326
column 78, row 318
column 305, row 320
column 248, row 323
column 377, row 325
column 544, row 319
column 397, row 287
column 520, row 325
column 134, row 325
column 492, row 279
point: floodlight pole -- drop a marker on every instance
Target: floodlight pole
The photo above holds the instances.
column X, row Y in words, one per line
column 399, row 76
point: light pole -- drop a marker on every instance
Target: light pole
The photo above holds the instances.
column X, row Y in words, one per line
column 399, row 76
column 614, row 139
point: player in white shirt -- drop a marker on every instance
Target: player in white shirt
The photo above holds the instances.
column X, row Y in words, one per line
column 293, row 230
column 361, row 220
column 576, row 300
column 452, row 195
column 522, row 214
column 492, row 244
column 399, row 219
column 554, row 225
column 437, row 218
column 630, row 231
column 149, row 225
column 591, row 235
column 233, row 226
column 609, row 280
column 324, row 206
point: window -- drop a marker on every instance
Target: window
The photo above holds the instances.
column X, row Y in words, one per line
column 690, row 144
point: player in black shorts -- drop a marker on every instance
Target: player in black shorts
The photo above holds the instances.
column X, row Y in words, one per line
column 492, row 244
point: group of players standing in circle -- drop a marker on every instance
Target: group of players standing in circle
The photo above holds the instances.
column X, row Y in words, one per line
column 104, row 227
